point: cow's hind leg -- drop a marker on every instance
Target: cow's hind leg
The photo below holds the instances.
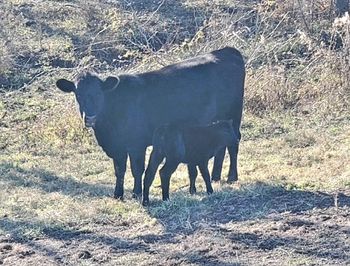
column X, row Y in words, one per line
column 154, row 161
column 137, row 162
column 218, row 161
column 203, row 168
column 233, row 151
column 165, row 173
column 192, row 173
column 119, row 161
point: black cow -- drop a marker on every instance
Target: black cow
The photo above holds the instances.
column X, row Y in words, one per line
column 193, row 145
column 124, row 111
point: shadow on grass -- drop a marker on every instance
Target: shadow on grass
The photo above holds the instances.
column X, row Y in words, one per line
column 205, row 223
column 259, row 207
column 50, row 182
column 256, row 201
column 70, row 238
column 331, row 248
column 62, row 245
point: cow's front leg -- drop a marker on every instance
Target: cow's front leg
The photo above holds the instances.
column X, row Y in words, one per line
column 119, row 168
column 137, row 162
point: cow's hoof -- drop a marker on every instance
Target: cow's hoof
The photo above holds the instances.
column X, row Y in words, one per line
column 119, row 197
column 231, row 179
column 137, row 196
column 119, row 193
column 193, row 191
column 215, row 179
column 145, row 202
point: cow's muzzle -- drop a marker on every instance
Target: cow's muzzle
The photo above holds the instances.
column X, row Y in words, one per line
column 90, row 121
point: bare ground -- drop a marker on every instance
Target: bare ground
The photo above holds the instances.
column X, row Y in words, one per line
column 253, row 225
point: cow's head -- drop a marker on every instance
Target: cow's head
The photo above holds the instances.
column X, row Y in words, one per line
column 89, row 92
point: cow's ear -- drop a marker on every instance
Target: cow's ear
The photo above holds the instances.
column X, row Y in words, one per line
column 110, row 84
column 65, row 85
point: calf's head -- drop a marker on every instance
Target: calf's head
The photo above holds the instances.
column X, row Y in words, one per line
column 89, row 92
column 225, row 130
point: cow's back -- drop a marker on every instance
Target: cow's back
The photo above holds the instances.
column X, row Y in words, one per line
column 197, row 91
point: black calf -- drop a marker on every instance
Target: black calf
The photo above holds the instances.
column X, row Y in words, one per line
column 193, row 145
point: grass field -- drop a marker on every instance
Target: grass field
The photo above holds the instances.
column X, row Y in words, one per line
column 291, row 205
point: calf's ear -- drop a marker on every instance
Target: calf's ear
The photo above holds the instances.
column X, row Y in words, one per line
column 65, row 85
column 110, row 84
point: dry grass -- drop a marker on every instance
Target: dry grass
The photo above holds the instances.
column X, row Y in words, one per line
column 291, row 205
column 57, row 188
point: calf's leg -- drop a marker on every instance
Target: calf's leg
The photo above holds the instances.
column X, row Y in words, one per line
column 218, row 161
column 192, row 173
column 203, row 168
column 119, row 162
column 233, row 173
column 154, row 161
column 165, row 173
